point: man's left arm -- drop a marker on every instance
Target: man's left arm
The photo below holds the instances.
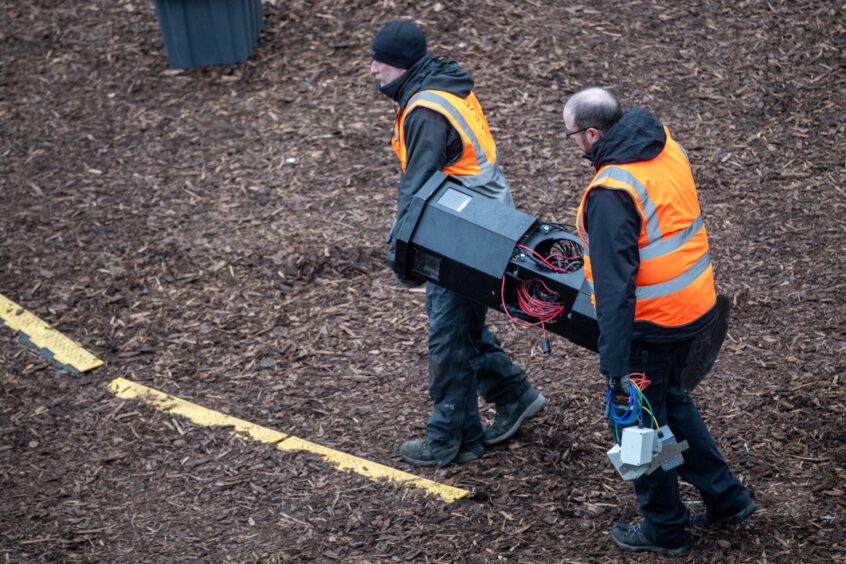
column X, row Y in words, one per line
column 426, row 136
column 614, row 227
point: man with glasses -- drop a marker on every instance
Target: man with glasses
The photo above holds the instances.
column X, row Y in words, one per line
column 649, row 265
column 440, row 126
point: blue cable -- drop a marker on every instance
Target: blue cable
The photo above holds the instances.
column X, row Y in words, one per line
column 625, row 414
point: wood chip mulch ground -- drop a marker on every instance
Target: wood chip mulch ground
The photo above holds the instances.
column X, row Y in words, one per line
column 217, row 234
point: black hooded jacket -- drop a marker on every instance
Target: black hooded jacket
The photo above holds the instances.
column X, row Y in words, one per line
column 431, row 142
column 612, row 220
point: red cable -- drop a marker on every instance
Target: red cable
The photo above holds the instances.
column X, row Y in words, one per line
column 518, row 322
column 542, row 310
column 640, row 380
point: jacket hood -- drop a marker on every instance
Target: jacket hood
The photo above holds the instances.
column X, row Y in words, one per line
column 638, row 136
column 429, row 73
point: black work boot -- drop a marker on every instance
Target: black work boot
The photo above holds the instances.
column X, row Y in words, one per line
column 705, row 521
column 419, row 453
column 631, row 539
column 509, row 416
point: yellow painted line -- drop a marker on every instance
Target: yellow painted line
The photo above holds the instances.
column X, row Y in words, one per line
column 46, row 340
column 127, row 389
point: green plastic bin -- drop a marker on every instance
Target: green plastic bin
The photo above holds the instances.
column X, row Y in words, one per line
column 209, row 32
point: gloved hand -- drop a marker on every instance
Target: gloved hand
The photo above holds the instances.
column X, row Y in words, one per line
column 618, row 384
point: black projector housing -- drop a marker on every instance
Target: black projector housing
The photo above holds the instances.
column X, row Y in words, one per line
column 476, row 247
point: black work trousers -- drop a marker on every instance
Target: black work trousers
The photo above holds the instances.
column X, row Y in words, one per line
column 465, row 359
column 665, row 516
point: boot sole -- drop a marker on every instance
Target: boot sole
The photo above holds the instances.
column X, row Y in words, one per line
column 466, row 456
column 534, row 408
column 462, row 457
column 417, row 462
column 681, row 551
column 735, row 519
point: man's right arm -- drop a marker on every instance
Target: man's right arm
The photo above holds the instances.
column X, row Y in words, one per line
column 614, row 227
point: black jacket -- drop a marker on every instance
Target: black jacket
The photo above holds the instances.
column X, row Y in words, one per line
column 431, row 142
column 613, row 223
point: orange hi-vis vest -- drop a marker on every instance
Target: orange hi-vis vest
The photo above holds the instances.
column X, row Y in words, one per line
column 675, row 282
column 477, row 165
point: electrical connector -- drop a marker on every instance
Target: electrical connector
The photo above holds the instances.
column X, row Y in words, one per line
column 636, row 445
column 665, row 453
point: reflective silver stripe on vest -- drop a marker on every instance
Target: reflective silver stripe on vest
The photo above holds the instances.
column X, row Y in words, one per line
column 429, row 96
column 490, row 181
column 680, row 282
column 670, row 244
column 584, row 212
column 582, row 229
column 653, row 230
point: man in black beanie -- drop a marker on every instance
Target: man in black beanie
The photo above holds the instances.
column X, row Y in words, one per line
column 440, row 126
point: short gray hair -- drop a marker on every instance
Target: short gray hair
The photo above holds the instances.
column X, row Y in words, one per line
column 594, row 107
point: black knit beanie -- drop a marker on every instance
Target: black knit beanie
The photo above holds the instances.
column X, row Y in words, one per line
column 399, row 44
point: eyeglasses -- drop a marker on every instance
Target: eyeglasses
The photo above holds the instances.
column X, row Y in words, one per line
column 571, row 133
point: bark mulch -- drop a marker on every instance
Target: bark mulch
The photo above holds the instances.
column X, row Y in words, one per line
column 218, row 234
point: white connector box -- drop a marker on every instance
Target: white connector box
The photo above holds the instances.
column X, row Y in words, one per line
column 636, row 445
